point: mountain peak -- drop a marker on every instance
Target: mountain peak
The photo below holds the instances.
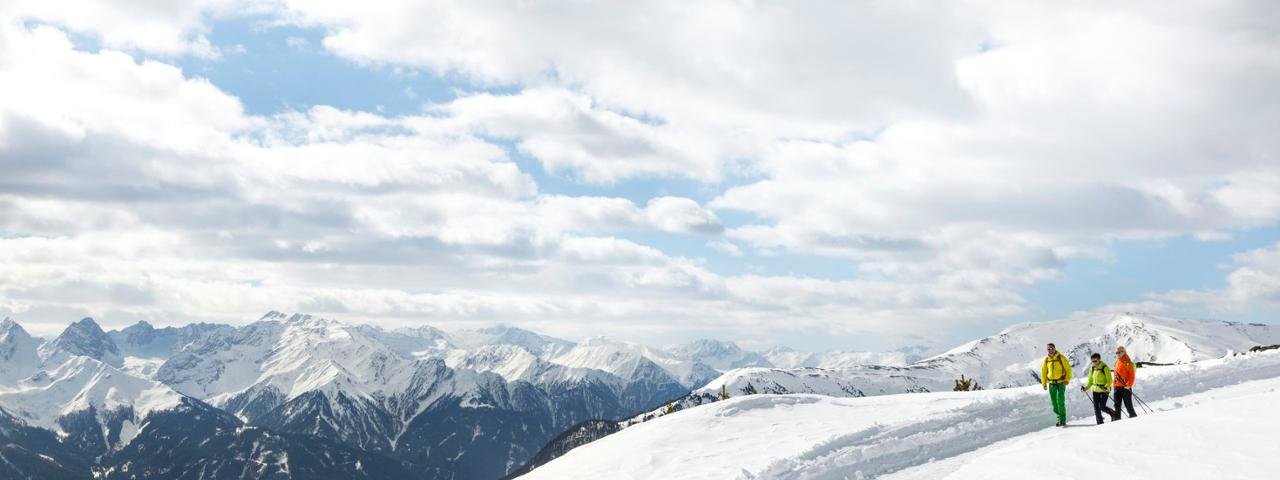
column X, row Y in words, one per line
column 87, row 322
column 85, row 338
column 293, row 318
column 18, row 356
column 141, row 325
column 712, row 346
column 11, row 332
column 9, row 325
column 274, row 315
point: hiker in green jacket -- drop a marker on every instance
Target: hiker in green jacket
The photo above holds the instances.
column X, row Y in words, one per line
column 1098, row 383
column 1055, row 374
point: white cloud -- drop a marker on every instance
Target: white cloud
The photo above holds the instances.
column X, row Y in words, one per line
column 1252, row 283
column 167, row 28
column 954, row 153
column 725, row 247
column 1079, row 123
column 570, row 134
column 682, row 215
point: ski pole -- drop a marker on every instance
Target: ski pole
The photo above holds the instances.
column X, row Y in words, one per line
column 1092, row 400
column 1143, row 403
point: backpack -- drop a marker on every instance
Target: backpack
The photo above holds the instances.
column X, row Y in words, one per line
column 1101, row 367
column 1057, row 358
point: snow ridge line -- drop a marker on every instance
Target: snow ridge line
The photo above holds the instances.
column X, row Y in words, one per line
column 881, row 450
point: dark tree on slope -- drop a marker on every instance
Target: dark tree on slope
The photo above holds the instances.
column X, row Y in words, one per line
column 966, row 384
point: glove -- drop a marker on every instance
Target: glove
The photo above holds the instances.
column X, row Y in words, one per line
column 1082, row 388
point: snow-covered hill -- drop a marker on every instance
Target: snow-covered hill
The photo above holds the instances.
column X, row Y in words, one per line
column 1012, row 357
column 820, row 437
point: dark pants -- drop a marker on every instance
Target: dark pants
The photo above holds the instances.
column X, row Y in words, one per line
column 1100, row 406
column 1124, row 396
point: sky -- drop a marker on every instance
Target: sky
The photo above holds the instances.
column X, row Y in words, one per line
column 824, row 175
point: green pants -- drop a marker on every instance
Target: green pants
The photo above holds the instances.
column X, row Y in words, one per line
column 1058, row 395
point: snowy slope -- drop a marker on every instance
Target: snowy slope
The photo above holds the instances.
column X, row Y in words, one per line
column 811, row 436
column 784, row 357
column 1185, row 440
column 79, row 384
column 18, row 356
column 511, row 362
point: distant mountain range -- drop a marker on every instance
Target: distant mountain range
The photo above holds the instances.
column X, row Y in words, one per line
column 466, row 404
column 295, row 396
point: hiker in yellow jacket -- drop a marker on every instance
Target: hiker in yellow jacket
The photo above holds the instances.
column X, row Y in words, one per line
column 1055, row 374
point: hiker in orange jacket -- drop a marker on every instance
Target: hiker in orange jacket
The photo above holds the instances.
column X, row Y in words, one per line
column 1124, row 377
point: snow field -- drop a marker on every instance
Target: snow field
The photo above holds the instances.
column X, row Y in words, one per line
column 817, row 437
column 1223, row 433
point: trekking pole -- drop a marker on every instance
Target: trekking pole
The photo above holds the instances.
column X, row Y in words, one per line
column 1091, row 400
column 1142, row 402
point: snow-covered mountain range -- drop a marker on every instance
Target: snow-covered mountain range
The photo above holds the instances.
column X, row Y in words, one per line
column 463, row 404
